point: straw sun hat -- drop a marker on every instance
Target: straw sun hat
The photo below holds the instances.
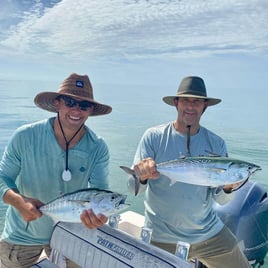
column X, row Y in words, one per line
column 75, row 86
column 192, row 87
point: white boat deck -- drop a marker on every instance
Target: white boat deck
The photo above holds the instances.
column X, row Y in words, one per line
column 108, row 247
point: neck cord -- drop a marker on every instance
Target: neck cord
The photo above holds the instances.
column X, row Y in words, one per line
column 188, row 140
column 67, row 143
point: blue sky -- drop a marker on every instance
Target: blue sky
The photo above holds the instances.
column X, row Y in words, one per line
column 136, row 41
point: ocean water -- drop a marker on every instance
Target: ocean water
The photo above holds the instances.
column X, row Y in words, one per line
column 239, row 120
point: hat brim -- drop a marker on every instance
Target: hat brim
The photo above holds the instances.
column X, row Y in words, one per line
column 45, row 100
column 170, row 99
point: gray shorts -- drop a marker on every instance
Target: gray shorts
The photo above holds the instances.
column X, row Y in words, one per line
column 20, row 256
column 220, row 251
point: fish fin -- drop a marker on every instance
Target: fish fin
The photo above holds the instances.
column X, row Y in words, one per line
column 219, row 170
column 136, row 178
column 212, row 154
column 80, row 202
column 128, row 170
column 137, row 184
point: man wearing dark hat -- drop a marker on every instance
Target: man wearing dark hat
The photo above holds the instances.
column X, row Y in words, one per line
column 183, row 212
column 45, row 160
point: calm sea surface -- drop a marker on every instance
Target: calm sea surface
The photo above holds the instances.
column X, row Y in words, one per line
column 241, row 121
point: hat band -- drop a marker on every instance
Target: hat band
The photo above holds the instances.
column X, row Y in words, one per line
column 192, row 92
column 75, row 92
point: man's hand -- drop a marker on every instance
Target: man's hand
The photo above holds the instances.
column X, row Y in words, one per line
column 146, row 169
column 91, row 221
column 27, row 207
column 228, row 188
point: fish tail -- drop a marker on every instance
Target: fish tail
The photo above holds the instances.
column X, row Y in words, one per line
column 136, row 178
column 137, row 184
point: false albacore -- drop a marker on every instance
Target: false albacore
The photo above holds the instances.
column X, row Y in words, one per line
column 206, row 171
column 68, row 207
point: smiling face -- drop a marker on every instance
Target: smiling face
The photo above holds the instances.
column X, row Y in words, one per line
column 190, row 111
column 72, row 117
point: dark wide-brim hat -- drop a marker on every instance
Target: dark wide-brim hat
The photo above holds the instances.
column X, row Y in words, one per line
column 75, row 86
column 192, row 87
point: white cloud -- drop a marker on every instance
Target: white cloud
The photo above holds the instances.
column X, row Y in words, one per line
column 129, row 29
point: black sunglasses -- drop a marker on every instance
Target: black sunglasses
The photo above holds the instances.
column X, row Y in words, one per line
column 70, row 102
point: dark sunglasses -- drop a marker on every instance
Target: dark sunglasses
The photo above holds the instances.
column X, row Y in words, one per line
column 70, row 102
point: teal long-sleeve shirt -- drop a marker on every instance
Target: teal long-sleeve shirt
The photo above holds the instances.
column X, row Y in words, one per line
column 33, row 163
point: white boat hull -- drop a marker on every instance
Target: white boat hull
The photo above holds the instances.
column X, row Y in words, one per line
column 108, row 247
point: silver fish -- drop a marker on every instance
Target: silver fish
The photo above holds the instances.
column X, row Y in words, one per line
column 206, row 171
column 68, row 207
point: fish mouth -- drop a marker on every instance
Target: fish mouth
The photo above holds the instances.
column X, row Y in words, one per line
column 253, row 169
column 121, row 201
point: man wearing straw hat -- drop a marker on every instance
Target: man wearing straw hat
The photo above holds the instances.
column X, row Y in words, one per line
column 184, row 212
column 46, row 159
